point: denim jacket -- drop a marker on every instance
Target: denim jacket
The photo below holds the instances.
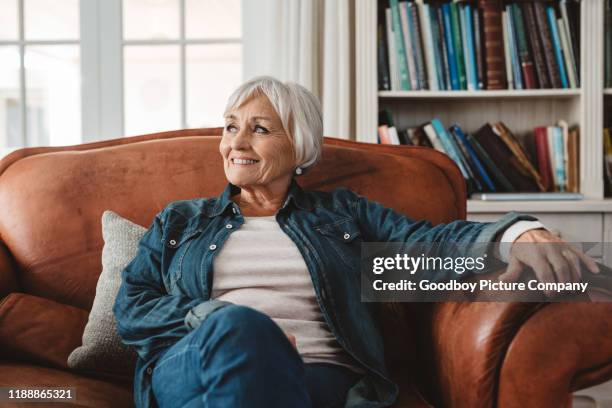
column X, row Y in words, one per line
column 172, row 273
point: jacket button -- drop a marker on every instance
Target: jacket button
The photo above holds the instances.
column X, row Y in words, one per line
column 229, row 226
column 149, row 370
column 234, row 210
column 212, row 247
column 172, row 242
column 347, row 235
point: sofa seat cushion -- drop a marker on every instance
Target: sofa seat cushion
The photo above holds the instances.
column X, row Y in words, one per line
column 90, row 392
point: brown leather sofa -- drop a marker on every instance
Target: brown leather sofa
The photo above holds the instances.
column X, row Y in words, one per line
column 448, row 354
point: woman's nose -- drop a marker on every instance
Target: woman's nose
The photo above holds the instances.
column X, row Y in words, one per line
column 240, row 140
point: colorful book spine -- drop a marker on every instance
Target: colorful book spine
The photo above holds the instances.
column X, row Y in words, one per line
column 507, row 57
column 516, row 66
column 547, row 44
column 479, row 49
column 536, row 46
column 527, row 68
column 408, row 44
column 450, row 48
column 493, row 43
column 417, row 37
column 393, row 70
column 449, row 146
column 458, row 45
column 444, row 50
column 552, row 22
column 479, row 167
column 468, row 34
column 559, row 154
column 430, row 48
column 402, row 64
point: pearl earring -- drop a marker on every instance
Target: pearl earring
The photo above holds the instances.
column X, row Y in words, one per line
column 298, row 171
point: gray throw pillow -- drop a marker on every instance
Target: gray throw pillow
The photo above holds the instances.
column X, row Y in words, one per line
column 102, row 350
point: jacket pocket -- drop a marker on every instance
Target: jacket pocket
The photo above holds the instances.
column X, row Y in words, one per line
column 177, row 244
column 345, row 238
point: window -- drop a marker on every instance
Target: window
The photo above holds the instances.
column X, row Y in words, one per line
column 39, row 73
column 94, row 69
column 181, row 61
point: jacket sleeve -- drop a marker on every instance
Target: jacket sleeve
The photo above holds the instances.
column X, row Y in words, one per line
column 148, row 318
column 457, row 238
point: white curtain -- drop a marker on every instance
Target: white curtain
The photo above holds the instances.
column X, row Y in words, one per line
column 310, row 42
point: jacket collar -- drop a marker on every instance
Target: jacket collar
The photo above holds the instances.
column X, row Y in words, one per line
column 294, row 193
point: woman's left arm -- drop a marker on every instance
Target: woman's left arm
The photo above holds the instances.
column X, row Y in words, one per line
column 384, row 224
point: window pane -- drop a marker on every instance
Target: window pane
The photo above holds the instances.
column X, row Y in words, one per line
column 213, row 72
column 213, row 19
column 56, row 21
column 53, row 95
column 8, row 20
column 10, row 100
column 151, row 88
column 150, row 19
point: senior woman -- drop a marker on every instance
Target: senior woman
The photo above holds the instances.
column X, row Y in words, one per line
column 281, row 323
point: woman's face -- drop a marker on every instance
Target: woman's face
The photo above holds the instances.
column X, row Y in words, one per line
column 255, row 148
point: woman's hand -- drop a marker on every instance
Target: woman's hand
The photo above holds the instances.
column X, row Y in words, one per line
column 559, row 262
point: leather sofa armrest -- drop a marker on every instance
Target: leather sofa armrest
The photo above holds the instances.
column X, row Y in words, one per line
column 8, row 276
column 39, row 330
column 462, row 347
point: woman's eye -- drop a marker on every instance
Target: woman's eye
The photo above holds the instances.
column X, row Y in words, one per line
column 260, row 129
column 230, row 128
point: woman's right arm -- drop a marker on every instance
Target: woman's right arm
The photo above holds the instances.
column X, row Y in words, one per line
column 148, row 318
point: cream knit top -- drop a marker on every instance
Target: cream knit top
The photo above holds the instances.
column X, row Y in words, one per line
column 261, row 267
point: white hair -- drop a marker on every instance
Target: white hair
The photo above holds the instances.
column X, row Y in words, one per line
column 298, row 109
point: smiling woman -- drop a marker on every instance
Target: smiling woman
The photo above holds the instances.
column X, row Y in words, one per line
column 266, row 308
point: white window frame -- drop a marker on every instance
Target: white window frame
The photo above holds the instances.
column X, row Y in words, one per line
column 102, row 46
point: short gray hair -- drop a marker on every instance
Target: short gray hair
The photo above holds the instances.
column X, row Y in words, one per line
column 298, row 109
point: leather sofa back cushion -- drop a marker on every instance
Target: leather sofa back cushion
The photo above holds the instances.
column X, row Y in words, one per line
column 52, row 202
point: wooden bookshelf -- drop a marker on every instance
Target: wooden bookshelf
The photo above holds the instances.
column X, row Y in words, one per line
column 521, row 110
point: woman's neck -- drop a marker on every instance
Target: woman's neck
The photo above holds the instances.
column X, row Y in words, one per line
column 261, row 201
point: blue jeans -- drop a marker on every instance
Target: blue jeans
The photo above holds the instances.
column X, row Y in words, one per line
column 238, row 357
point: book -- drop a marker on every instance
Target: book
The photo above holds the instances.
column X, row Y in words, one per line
column 450, row 47
column 434, row 140
column 507, row 57
column 406, row 20
column 538, row 53
column 428, row 44
column 514, row 57
column 478, row 49
column 458, row 44
column 559, row 157
column 449, row 146
column 526, row 196
column 400, row 48
column 493, row 43
column 383, row 134
column 444, row 49
column 473, row 159
column 503, row 157
column 573, row 160
column 416, row 35
column 527, row 68
column 523, row 163
column 384, row 78
column 468, row 47
column 558, row 49
column 569, row 64
column 393, row 69
column 547, row 44
column 543, row 157
column 501, row 181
